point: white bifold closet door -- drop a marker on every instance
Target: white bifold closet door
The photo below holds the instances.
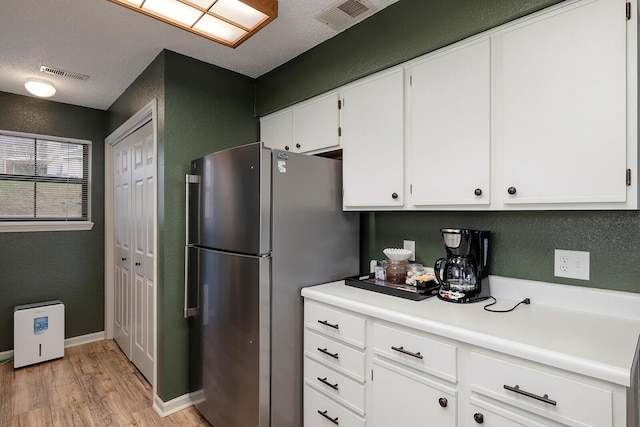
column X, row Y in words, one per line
column 134, row 216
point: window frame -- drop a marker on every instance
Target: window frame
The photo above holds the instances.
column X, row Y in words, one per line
column 18, row 226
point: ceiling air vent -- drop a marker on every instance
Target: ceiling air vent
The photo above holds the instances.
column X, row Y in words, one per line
column 63, row 73
column 345, row 13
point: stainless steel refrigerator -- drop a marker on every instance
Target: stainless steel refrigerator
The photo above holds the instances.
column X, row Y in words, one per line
column 261, row 224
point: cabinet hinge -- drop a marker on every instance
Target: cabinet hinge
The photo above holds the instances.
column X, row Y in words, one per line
column 339, row 104
column 628, row 177
column 339, row 130
column 628, row 11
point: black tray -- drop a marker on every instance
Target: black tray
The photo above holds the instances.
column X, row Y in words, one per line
column 414, row 293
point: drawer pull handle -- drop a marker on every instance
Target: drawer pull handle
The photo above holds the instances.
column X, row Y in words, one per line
column 402, row 350
column 324, row 350
column 324, row 381
column 333, row 420
column 326, row 323
column 545, row 398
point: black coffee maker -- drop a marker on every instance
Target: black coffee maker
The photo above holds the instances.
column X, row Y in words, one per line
column 462, row 275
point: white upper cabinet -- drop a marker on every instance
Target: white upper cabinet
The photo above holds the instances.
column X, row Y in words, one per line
column 449, row 132
column 308, row 127
column 276, row 130
column 373, row 142
column 564, row 107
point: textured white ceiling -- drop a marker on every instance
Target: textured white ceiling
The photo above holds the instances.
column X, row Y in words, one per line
column 113, row 45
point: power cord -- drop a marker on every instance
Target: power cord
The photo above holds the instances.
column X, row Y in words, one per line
column 524, row 301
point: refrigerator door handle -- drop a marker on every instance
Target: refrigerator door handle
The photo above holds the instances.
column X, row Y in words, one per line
column 189, row 179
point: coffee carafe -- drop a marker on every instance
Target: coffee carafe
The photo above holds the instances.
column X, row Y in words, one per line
column 462, row 275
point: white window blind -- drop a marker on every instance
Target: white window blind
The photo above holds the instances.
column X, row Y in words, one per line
column 43, row 179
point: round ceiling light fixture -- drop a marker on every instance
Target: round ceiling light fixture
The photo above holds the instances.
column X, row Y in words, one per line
column 40, row 88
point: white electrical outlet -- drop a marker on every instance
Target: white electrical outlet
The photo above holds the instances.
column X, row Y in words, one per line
column 410, row 245
column 571, row 264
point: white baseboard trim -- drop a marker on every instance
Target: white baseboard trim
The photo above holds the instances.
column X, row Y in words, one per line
column 174, row 405
column 69, row 342
column 84, row 339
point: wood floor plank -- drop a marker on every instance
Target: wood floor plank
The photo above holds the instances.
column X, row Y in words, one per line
column 36, row 417
column 63, row 388
column 29, row 391
column 93, row 385
column 76, row 415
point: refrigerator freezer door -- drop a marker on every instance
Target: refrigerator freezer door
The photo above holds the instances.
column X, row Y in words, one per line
column 234, row 339
column 314, row 242
column 234, row 206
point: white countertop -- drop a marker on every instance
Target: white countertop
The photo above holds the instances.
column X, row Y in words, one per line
column 599, row 341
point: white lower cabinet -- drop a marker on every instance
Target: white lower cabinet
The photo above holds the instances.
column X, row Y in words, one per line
column 403, row 397
column 321, row 411
column 334, row 367
column 364, row 371
column 542, row 391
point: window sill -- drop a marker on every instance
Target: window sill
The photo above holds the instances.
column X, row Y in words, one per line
column 28, row 226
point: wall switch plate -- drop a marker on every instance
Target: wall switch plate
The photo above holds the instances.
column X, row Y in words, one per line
column 410, row 245
column 571, row 264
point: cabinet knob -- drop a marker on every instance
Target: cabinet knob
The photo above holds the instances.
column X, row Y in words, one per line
column 286, row 147
column 394, row 196
column 478, row 417
column 443, row 402
column 297, row 145
column 138, row 264
column 124, row 259
column 511, row 190
column 477, row 192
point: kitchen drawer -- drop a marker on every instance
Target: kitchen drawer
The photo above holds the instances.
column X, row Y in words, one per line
column 489, row 415
column 332, row 353
column 335, row 323
column 417, row 351
column 320, row 411
column 541, row 391
column 329, row 382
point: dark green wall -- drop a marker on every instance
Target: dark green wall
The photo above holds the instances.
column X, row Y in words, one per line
column 402, row 31
column 202, row 109
column 64, row 265
column 522, row 243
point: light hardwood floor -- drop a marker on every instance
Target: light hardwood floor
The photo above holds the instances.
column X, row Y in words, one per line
column 92, row 385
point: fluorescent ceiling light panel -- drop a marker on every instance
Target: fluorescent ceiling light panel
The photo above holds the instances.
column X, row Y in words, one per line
column 205, row 4
column 236, row 11
column 228, row 22
column 173, row 10
column 219, row 29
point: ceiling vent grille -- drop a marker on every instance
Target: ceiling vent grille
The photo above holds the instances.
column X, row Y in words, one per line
column 63, row 73
column 345, row 13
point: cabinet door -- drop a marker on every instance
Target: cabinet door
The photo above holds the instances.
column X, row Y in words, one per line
column 449, row 127
column 403, row 398
column 276, row 130
column 315, row 124
column 373, row 142
column 564, row 106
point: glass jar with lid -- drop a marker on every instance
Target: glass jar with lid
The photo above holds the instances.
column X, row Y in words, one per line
column 396, row 271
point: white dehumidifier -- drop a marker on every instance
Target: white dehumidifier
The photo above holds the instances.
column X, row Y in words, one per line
column 38, row 333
